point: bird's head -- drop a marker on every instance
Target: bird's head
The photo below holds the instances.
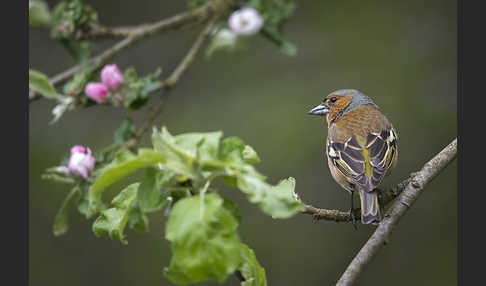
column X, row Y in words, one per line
column 339, row 102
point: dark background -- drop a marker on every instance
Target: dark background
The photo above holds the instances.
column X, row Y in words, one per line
column 402, row 54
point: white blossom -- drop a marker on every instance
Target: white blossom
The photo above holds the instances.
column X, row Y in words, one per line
column 245, row 21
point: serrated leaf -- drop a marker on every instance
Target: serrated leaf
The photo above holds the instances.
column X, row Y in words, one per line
column 280, row 201
column 137, row 89
column 151, row 197
column 232, row 207
column 186, row 151
column 83, row 202
column 61, row 224
column 253, row 185
column 204, row 146
column 124, row 163
column 38, row 13
column 137, row 219
column 39, row 82
column 112, row 221
column 231, row 150
column 250, row 156
column 251, row 270
column 277, row 201
column 204, row 241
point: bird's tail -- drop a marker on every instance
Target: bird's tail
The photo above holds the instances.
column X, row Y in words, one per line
column 370, row 209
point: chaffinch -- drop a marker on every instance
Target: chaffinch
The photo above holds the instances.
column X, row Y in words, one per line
column 361, row 147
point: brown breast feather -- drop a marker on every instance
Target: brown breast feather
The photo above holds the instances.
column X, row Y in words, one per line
column 360, row 121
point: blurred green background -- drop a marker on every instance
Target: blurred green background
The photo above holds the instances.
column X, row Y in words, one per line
column 400, row 53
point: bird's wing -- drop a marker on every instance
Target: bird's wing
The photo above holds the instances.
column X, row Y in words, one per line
column 383, row 150
column 365, row 164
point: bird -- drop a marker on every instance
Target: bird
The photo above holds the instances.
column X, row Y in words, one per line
column 361, row 147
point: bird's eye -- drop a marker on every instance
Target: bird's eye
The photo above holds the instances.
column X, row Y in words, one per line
column 333, row 99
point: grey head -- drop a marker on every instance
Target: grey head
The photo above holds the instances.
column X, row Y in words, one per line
column 357, row 98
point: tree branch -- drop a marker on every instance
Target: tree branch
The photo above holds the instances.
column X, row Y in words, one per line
column 171, row 81
column 384, row 198
column 189, row 58
column 404, row 201
column 134, row 35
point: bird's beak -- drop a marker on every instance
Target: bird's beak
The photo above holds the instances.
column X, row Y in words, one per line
column 319, row 110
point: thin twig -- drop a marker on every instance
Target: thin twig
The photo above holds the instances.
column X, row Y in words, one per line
column 189, row 58
column 134, row 35
column 98, row 31
column 154, row 112
column 404, row 201
column 172, row 80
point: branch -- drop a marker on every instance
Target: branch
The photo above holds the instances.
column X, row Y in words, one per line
column 171, row 81
column 134, row 35
column 384, row 198
column 188, row 59
column 98, row 31
column 405, row 200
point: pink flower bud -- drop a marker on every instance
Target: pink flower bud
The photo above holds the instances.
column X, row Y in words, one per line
column 81, row 162
column 111, row 76
column 78, row 149
column 96, row 91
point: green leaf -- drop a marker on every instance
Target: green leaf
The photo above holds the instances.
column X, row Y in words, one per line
column 61, row 224
column 124, row 163
column 222, row 39
column 150, row 195
column 39, row 82
column 137, row 219
column 250, row 156
column 137, row 90
column 275, row 14
column 38, row 13
column 125, row 131
column 69, row 17
column 253, row 185
column 205, row 146
column 232, row 207
column 76, row 85
column 204, row 240
column 59, row 174
column 280, row 201
column 80, row 50
column 251, row 270
column 187, row 151
column 83, row 202
column 112, row 221
column 200, row 157
column 286, row 47
column 231, row 150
